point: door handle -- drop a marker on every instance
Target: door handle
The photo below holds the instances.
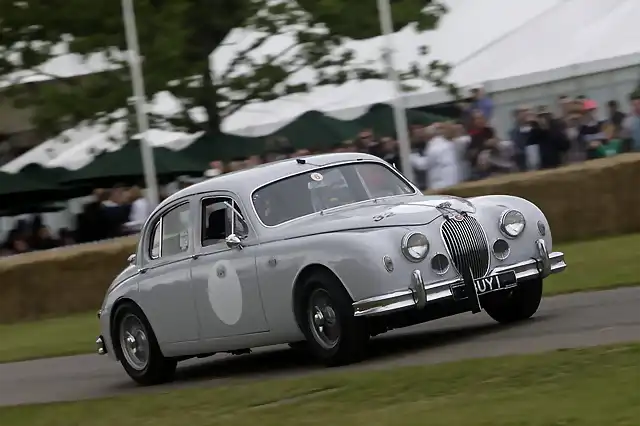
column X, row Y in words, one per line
column 195, row 256
column 142, row 270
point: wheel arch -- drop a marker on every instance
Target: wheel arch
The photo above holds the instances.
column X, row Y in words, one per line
column 113, row 331
column 299, row 287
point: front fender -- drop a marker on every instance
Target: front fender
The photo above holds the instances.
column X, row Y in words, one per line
column 355, row 257
column 491, row 207
column 127, row 289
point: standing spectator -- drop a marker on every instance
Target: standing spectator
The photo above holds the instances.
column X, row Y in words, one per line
column 480, row 132
column 480, row 101
column 389, row 152
column 573, row 122
column 419, row 139
column 366, row 141
column 140, row 210
column 547, row 133
column 216, row 168
column 565, row 106
column 519, row 136
column 91, row 222
column 255, row 160
column 496, row 158
column 462, row 140
column 612, row 144
column 440, row 159
column 591, row 132
column 631, row 125
column 616, row 117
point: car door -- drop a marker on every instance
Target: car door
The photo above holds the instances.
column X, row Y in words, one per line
column 166, row 292
column 225, row 281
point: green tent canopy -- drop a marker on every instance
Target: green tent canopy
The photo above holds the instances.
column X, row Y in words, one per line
column 53, row 176
column 125, row 166
column 221, row 146
column 17, row 189
column 316, row 130
column 380, row 119
column 312, row 129
column 45, row 174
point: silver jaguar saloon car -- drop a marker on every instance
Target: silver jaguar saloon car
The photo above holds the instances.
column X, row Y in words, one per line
column 320, row 252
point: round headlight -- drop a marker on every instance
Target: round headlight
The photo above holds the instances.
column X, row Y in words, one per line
column 512, row 223
column 415, row 246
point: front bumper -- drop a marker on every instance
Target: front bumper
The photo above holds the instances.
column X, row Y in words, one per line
column 419, row 295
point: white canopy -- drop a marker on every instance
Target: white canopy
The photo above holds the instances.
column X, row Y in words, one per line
column 502, row 44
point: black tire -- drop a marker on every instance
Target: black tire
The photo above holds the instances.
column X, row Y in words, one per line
column 158, row 368
column 517, row 305
column 353, row 333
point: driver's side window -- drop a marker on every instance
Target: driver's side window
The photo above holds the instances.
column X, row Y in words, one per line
column 221, row 217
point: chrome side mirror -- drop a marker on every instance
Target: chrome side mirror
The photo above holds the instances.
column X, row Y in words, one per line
column 233, row 242
column 132, row 259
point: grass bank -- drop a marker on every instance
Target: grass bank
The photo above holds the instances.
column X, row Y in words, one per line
column 558, row 388
column 593, row 265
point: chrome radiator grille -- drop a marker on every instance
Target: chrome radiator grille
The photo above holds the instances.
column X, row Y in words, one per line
column 467, row 245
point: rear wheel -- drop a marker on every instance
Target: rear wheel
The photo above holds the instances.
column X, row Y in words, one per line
column 334, row 335
column 138, row 349
column 517, row 305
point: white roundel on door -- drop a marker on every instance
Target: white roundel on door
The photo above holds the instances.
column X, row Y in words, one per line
column 225, row 292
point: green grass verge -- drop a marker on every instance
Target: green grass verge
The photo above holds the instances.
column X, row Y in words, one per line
column 593, row 265
column 590, row 387
column 48, row 338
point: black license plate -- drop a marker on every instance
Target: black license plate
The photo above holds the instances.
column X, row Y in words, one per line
column 495, row 282
column 486, row 285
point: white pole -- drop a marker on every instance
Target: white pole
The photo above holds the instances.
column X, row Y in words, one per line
column 400, row 118
column 148, row 164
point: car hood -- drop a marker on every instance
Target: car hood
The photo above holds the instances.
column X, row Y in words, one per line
column 396, row 211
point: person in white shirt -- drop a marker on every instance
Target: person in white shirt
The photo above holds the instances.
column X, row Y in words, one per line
column 140, row 210
column 440, row 159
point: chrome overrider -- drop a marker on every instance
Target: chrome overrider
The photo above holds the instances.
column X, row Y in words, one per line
column 419, row 295
column 100, row 346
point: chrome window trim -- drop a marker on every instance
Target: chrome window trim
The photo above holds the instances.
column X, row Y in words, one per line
column 157, row 225
column 161, row 215
column 336, row 164
column 234, row 199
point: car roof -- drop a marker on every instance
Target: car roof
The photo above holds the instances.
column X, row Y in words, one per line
column 245, row 181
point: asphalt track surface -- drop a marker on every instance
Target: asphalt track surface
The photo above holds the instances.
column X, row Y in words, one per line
column 571, row 321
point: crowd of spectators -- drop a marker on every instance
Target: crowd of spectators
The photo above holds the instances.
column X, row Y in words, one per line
column 469, row 148
column 112, row 213
column 442, row 155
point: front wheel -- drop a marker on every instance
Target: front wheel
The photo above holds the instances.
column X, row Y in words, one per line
column 138, row 349
column 517, row 305
column 334, row 335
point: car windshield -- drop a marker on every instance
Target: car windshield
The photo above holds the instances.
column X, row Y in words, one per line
column 325, row 188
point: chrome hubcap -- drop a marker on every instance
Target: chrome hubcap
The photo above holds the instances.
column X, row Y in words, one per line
column 325, row 325
column 134, row 342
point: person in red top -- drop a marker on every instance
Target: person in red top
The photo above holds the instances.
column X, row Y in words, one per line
column 480, row 132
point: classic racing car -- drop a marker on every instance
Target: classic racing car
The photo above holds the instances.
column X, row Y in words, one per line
column 322, row 253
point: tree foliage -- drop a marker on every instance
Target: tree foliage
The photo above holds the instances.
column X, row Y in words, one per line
column 176, row 40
